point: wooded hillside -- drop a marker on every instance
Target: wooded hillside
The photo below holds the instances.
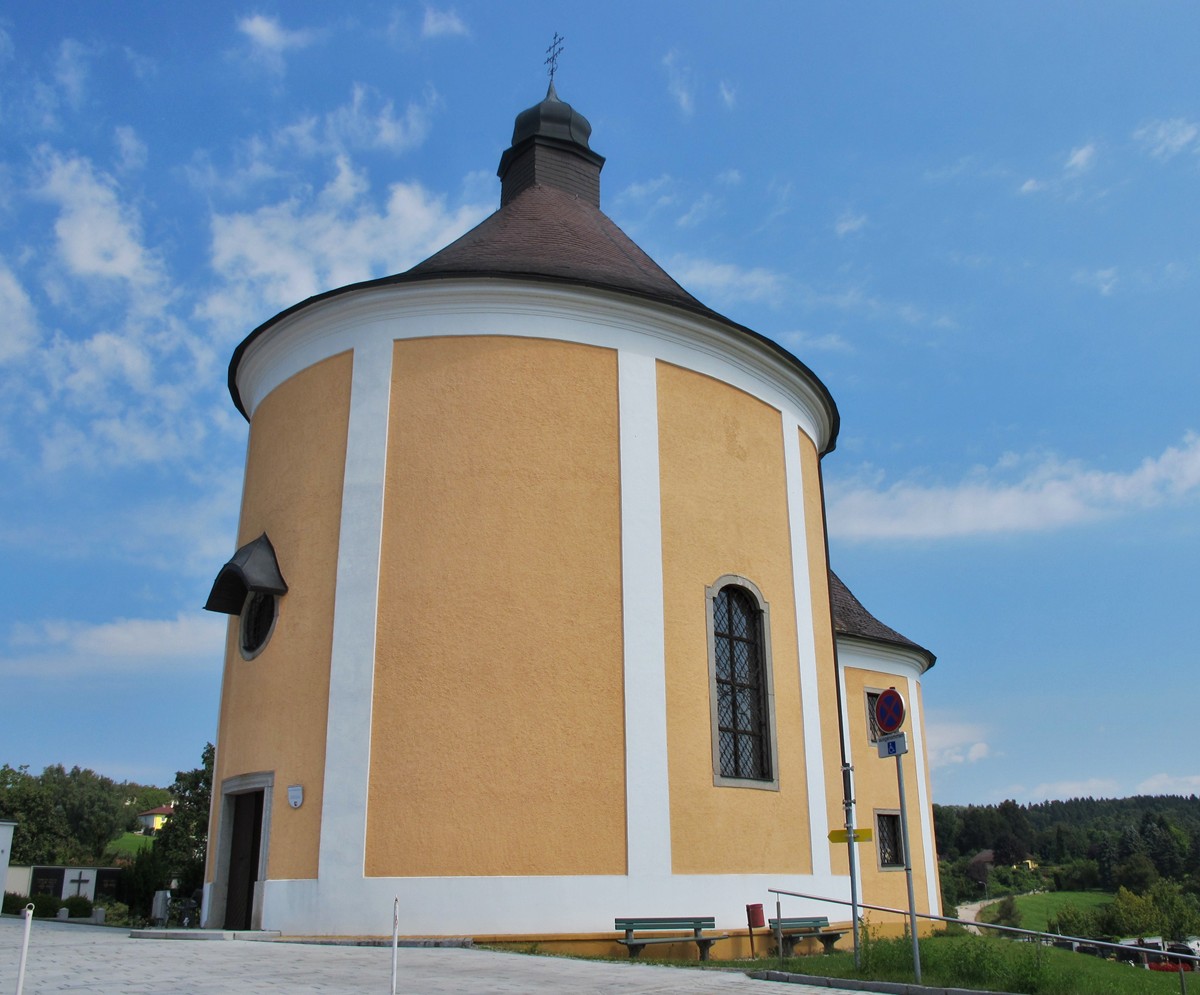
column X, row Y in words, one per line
column 1078, row 844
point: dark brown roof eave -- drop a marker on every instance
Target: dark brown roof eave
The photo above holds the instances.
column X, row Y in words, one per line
column 852, row 621
column 409, row 277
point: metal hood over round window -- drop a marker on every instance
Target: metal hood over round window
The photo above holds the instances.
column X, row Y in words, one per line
column 253, row 568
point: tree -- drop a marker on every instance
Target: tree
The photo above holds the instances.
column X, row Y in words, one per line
column 182, row 842
column 1007, row 913
column 1137, row 873
column 93, row 807
column 1074, row 921
column 1180, row 913
column 147, row 874
column 41, row 835
column 1131, row 915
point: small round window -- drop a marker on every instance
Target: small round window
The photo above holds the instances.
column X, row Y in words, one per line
column 258, row 622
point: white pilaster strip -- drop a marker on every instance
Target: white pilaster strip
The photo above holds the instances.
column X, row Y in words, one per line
column 806, row 642
column 352, row 661
column 849, row 752
column 920, row 765
column 647, row 785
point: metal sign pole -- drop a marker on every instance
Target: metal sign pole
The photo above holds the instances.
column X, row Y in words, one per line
column 912, row 902
column 848, row 795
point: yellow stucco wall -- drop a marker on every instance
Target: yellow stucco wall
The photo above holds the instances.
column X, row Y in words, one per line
column 875, row 789
column 274, row 707
column 724, row 511
column 818, row 580
column 498, row 718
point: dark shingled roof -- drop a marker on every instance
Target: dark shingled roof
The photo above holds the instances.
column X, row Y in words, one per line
column 850, row 618
column 547, row 232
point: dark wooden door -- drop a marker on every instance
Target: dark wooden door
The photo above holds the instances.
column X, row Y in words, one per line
column 243, row 859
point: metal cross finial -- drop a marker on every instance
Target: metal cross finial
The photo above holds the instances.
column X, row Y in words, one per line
column 552, row 54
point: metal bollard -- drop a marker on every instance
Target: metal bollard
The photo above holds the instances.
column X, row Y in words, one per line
column 395, row 938
column 24, row 947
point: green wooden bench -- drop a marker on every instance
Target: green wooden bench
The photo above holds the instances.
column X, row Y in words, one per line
column 788, row 931
column 696, row 924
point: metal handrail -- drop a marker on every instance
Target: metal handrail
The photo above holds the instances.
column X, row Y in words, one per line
column 991, row 925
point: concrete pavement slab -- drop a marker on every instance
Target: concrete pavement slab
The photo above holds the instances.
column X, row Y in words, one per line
column 64, row 957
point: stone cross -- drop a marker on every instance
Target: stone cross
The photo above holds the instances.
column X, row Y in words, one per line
column 79, row 882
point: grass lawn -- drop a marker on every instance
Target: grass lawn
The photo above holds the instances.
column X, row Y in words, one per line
column 127, row 845
column 993, row 965
column 1037, row 910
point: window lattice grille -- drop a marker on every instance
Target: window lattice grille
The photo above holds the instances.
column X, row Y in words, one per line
column 741, row 709
column 872, row 722
column 891, row 852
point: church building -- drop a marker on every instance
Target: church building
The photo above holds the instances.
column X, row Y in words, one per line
column 531, row 620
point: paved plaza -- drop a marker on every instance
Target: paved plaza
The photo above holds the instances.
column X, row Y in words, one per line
column 65, row 957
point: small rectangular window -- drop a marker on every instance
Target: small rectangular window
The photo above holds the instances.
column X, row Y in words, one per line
column 888, row 843
column 873, row 730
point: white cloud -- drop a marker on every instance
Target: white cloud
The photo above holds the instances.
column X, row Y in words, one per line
column 725, row 281
column 1081, row 159
column 658, row 192
column 6, row 45
column 285, row 252
column 952, row 742
column 98, row 236
column 679, row 82
column 18, row 327
column 123, row 388
column 728, row 93
column 1103, row 280
column 730, row 177
column 799, row 342
column 849, row 223
column 1170, row 784
column 270, row 40
column 442, row 23
column 855, row 300
column 66, row 649
column 368, row 121
column 131, row 150
column 701, row 209
column 1050, row 495
column 144, row 67
column 1166, row 139
column 71, row 71
column 780, row 194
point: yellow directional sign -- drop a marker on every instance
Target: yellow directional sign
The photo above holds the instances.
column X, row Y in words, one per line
column 842, row 836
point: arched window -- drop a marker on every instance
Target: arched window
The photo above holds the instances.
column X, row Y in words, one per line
column 740, row 685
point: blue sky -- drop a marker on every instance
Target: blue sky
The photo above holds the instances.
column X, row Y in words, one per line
column 976, row 222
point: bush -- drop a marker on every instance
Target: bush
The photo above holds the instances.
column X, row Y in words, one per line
column 45, row 906
column 78, row 906
column 1074, row 921
column 116, row 914
column 139, row 881
column 14, row 904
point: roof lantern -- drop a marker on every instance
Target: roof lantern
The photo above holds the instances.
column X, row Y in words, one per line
column 550, row 148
